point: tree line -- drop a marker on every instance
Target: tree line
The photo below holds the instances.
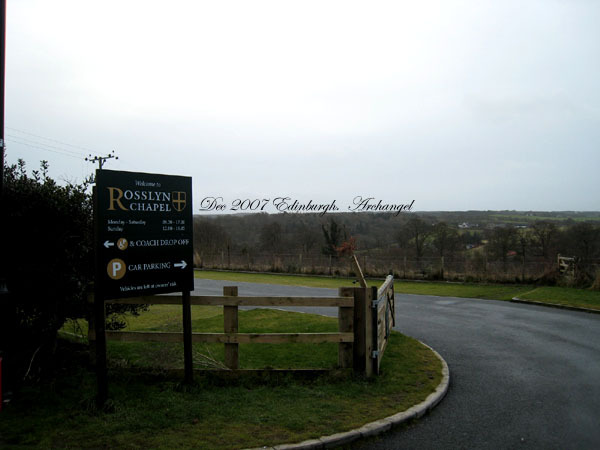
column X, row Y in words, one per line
column 418, row 238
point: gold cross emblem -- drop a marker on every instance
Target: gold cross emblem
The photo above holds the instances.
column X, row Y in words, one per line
column 179, row 201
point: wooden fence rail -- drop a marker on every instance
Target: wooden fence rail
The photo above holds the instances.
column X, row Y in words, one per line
column 229, row 300
column 365, row 319
column 231, row 338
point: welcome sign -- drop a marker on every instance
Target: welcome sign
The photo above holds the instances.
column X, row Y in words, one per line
column 144, row 237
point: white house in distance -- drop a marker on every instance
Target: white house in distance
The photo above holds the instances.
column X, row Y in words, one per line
column 465, row 225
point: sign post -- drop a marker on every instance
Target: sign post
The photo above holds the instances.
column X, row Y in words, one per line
column 144, row 246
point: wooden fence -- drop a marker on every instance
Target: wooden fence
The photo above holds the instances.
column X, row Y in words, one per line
column 471, row 265
column 232, row 338
column 384, row 318
column 365, row 318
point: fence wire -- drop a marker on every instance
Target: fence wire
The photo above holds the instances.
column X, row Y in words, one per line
column 461, row 268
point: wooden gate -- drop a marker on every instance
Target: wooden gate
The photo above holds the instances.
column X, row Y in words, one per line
column 566, row 265
column 383, row 316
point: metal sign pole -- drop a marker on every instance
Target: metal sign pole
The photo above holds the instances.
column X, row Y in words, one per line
column 101, row 371
column 187, row 338
column 99, row 313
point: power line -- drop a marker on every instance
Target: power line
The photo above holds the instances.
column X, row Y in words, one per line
column 46, row 145
column 52, row 140
column 45, row 149
column 59, row 150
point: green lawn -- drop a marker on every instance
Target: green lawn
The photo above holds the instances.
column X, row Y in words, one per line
column 157, row 412
column 582, row 298
column 267, row 278
column 549, row 294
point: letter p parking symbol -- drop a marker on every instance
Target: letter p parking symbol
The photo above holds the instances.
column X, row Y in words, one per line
column 116, row 269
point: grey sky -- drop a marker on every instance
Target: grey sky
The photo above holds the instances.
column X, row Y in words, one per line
column 455, row 104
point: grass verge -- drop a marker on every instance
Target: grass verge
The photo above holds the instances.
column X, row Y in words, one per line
column 159, row 413
column 583, row 298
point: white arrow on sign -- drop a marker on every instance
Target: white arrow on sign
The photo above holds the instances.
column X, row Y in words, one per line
column 182, row 264
column 108, row 244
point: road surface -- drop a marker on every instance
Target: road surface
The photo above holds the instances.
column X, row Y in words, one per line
column 522, row 376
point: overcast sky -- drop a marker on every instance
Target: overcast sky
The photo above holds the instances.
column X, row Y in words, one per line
column 454, row 104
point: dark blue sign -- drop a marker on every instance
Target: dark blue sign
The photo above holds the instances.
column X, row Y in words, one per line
column 144, row 241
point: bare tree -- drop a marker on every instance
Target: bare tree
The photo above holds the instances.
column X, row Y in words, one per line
column 523, row 243
column 209, row 237
column 585, row 240
column 307, row 238
column 416, row 231
column 502, row 240
column 445, row 239
column 271, row 237
column 545, row 234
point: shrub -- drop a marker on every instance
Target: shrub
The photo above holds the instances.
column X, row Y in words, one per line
column 47, row 263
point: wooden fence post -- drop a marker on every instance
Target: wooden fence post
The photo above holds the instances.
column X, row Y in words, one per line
column 393, row 306
column 346, row 325
column 188, row 361
column 363, row 331
column 372, row 344
column 230, row 318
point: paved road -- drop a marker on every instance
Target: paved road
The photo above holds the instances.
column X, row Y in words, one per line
column 521, row 376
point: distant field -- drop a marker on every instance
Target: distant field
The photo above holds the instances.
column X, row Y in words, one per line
column 583, row 298
column 528, row 218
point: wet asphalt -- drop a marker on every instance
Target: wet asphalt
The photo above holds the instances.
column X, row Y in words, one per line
column 521, row 376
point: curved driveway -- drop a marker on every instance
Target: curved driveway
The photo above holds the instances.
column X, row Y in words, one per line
column 521, row 376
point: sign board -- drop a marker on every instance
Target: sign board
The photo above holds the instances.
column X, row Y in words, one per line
column 144, row 242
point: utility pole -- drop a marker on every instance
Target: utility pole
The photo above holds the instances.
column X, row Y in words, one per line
column 2, row 77
column 100, row 159
column 3, row 288
column 99, row 314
